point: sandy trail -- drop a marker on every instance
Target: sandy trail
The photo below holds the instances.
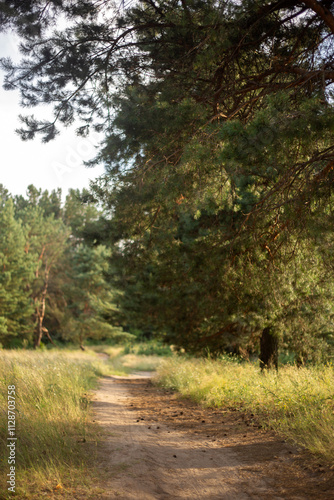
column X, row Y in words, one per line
column 157, row 447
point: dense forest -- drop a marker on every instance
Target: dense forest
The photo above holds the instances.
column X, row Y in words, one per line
column 212, row 226
column 54, row 283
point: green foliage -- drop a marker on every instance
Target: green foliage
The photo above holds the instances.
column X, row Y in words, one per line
column 52, row 283
column 219, row 166
column 89, row 297
column 47, row 241
column 149, row 348
column 16, row 266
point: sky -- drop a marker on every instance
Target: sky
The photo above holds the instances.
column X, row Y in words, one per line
column 58, row 163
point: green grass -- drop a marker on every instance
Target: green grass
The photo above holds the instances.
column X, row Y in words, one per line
column 135, row 362
column 297, row 402
column 124, row 360
column 149, row 348
column 52, row 401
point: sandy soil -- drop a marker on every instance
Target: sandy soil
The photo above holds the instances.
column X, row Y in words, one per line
column 155, row 446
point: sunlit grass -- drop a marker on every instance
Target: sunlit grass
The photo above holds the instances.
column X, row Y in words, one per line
column 121, row 361
column 135, row 362
column 112, row 351
column 297, row 402
column 52, row 401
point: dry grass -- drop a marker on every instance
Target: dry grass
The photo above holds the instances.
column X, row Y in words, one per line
column 299, row 403
column 52, row 401
column 121, row 362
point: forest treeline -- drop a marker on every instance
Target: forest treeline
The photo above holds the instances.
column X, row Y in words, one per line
column 53, row 283
column 218, row 123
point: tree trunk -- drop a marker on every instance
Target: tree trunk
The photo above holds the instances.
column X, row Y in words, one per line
column 40, row 310
column 46, row 331
column 39, row 331
column 269, row 349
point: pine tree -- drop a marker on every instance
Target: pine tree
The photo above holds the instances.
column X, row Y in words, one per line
column 46, row 242
column 90, row 299
column 16, row 305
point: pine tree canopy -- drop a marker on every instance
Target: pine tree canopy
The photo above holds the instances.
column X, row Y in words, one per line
column 160, row 76
column 16, row 274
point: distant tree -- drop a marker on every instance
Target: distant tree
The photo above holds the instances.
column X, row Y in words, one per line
column 82, row 216
column 46, row 242
column 16, row 304
column 50, row 203
column 90, row 299
column 80, row 301
column 4, row 194
column 53, row 284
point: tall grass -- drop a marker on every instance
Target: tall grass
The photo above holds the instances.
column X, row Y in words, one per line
column 297, row 402
column 131, row 359
column 52, row 405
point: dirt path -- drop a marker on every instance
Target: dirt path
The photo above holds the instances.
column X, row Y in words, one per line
column 155, row 446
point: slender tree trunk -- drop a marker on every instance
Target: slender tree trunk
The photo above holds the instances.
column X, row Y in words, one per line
column 81, row 339
column 46, row 331
column 268, row 349
column 40, row 309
